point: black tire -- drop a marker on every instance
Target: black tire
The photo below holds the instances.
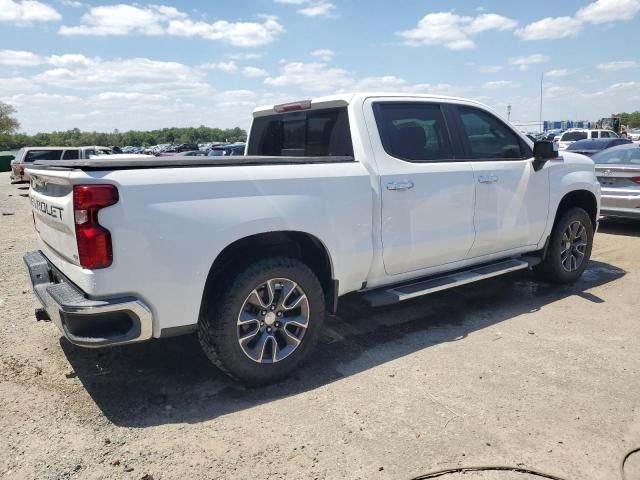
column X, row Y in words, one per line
column 551, row 269
column 218, row 328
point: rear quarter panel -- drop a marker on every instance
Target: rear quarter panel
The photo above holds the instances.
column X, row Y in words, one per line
column 170, row 225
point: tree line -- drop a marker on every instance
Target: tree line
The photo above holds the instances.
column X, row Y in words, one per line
column 11, row 140
column 630, row 120
column 78, row 138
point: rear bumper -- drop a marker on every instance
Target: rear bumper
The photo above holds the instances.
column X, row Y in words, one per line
column 620, row 205
column 13, row 178
column 86, row 322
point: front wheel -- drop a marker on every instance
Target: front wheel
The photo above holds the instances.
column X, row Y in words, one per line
column 266, row 322
column 569, row 248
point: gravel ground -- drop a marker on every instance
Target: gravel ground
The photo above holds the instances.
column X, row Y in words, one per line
column 508, row 372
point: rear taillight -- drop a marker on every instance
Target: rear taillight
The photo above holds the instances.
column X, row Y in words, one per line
column 21, row 171
column 635, row 179
column 94, row 241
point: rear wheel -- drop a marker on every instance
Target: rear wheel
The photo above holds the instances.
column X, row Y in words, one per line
column 266, row 322
column 569, row 248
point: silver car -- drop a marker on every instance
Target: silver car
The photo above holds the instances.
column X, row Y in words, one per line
column 618, row 171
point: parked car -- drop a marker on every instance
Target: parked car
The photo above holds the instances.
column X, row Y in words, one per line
column 28, row 155
column 193, row 153
column 634, row 134
column 575, row 134
column 186, row 147
column 618, row 171
column 594, row 145
column 392, row 196
column 227, row 150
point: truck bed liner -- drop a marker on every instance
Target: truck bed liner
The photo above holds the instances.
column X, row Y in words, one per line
column 182, row 162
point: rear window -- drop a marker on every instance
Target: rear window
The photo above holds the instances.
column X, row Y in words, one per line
column 35, row 155
column 306, row 134
column 629, row 155
column 573, row 136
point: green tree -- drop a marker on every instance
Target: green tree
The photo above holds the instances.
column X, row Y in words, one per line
column 8, row 123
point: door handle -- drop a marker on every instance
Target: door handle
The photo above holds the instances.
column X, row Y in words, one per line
column 487, row 179
column 400, row 185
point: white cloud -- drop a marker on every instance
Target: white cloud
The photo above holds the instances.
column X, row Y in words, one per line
column 453, row 31
column 322, row 9
column 490, row 68
column 123, row 19
column 525, row 61
column 292, row 2
column 227, row 67
column 311, row 77
column 600, row 11
column 605, row 11
column 239, row 34
column 23, row 12
column 254, row 72
column 550, row 28
column 20, row 58
column 243, row 56
column 500, row 84
column 385, row 83
column 560, row 72
column 618, row 65
column 72, row 3
column 323, row 54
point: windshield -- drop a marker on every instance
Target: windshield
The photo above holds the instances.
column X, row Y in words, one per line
column 573, row 136
column 629, row 156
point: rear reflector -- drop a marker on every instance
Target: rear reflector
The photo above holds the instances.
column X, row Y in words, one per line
column 293, row 106
column 635, row 179
column 94, row 241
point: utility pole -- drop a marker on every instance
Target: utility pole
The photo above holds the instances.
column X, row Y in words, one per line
column 509, row 112
column 541, row 80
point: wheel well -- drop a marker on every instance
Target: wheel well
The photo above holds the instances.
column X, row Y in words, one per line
column 302, row 246
column 579, row 198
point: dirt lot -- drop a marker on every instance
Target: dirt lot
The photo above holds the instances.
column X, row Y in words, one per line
column 509, row 371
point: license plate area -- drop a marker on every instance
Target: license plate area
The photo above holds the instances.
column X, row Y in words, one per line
column 607, row 182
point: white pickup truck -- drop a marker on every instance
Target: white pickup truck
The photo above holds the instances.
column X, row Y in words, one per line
column 394, row 196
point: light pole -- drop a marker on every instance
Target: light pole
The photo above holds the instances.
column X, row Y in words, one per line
column 541, row 80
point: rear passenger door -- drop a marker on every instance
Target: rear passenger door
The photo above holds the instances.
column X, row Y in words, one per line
column 511, row 198
column 426, row 194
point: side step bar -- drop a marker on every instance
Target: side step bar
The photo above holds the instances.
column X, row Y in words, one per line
column 400, row 293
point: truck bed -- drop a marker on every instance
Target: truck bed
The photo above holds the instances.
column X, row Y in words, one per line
column 182, row 162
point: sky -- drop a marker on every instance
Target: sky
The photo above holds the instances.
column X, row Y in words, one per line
column 102, row 66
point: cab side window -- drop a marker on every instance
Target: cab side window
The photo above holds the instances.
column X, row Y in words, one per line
column 70, row 155
column 414, row 132
column 487, row 137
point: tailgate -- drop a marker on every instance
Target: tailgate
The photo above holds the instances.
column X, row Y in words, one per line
column 618, row 177
column 51, row 195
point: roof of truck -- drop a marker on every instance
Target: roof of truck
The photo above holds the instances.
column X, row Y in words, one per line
column 344, row 99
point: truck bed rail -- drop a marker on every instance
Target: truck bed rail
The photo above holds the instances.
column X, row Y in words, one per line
column 105, row 163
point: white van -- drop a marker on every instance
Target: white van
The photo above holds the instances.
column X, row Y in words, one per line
column 27, row 155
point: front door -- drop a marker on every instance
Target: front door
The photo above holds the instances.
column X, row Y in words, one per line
column 511, row 198
column 427, row 196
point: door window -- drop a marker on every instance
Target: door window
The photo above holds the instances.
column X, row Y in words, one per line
column 487, row 137
column 70, row 155
column 594, row 134
column 415, row 132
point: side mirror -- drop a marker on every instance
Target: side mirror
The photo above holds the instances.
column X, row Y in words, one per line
column 543, row 150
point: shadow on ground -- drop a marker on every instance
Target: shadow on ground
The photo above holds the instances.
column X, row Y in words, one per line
column 170, row 380
column 620, row 226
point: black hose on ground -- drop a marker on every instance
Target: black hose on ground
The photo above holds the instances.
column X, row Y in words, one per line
column 502, row 468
